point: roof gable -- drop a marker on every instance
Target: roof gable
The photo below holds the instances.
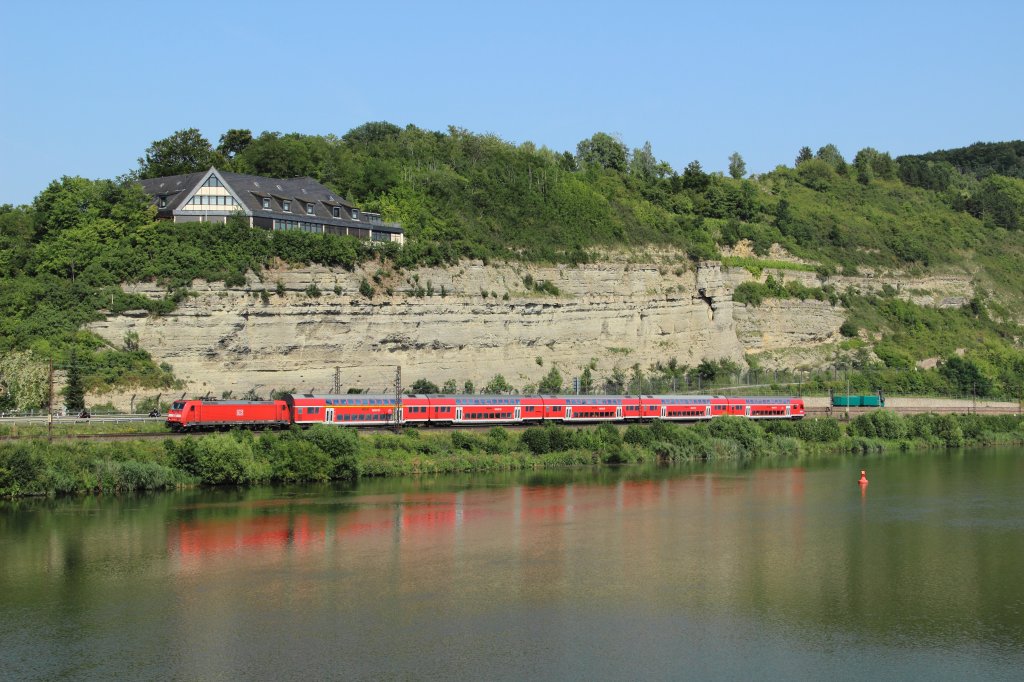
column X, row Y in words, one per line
column 203, row 179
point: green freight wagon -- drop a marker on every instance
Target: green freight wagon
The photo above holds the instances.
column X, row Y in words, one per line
column 858, row 401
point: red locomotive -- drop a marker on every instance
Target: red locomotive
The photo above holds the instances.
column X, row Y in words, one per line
column 446, row 410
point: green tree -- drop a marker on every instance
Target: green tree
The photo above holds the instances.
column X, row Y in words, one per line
column 1001, row 201
column 830, row 155
column 586, row 381
column 967, row 376
column 805, row 154
column 737, row 166
column 186, row 151
column 643, row 165
column 816, row 174
column 694, row 178
column 74, row 390
column 23, row 380
column 468, row 388
column 424, row 386
column 234, row 141
column 551, row 383
column 449, row 387
column 602, row 150
column 498, row 385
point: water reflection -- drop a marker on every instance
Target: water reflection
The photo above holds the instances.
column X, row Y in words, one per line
column 676, row 565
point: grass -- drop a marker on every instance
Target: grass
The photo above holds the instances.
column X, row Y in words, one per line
column 40, row 430
column 757, row 265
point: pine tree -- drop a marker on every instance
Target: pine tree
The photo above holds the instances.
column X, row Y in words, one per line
column 74, row 391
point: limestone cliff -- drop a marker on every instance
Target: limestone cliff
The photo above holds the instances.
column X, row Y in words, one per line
column 438, row 324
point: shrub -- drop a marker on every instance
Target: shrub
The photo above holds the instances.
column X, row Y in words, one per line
column 20, row 469
column 294, row 459
column 637, row 435
column 464, row 441
column 224, row 459
column 849, row 329
column 537, row 439
column 750, row 437
column 947, row 428
column 341, row 446
column 879, row 424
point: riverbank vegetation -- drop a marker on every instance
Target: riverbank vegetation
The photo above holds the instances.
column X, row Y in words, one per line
column 323, row 453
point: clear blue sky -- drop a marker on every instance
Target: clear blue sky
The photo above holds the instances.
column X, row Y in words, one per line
column 88, row 86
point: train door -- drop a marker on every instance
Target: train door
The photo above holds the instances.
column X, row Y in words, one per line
column 748, row 410
column 788, row 407
column 329, row 415
column 664, row 411
column 707, row 411
column 400, row 414
column 517, row 413
column 618, row 412
column 568, row 413
column 458, row 414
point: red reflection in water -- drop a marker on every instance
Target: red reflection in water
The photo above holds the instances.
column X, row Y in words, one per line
column 198, row 538
column 434, row 513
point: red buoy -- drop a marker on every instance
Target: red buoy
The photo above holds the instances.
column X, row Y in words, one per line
column 863, row 478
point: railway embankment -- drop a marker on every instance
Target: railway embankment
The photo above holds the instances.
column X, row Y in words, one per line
column 321, row 454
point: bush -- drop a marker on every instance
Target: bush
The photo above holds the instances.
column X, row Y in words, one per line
column 536, row 439
column 295, row 460
column 464, row 441
column 947, row 428
column 879, row 424
column 341, row 446
column 750, row 437
column 20, row 469
column 637, row 435
column 226, row 459
column 849, row 329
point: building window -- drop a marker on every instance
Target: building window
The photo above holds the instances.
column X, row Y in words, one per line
column 309, row 209
column 355, row 214
column 266, row 203
column 286, row 205
column 211, row 200
column 163, row 202
column 336, row 212
column 212, row 182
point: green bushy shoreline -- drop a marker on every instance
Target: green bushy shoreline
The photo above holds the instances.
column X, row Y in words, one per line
column 323, row 454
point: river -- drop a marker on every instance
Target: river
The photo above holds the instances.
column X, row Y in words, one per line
column 771, row 571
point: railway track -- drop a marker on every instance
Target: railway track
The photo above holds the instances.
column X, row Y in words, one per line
column 840, row 413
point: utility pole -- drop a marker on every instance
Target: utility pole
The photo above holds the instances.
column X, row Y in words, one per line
column 49, row 409
column 337, row 380
column 398, row 397
column 847, row 394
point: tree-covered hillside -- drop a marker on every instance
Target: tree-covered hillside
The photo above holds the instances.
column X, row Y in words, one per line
column 465, row 195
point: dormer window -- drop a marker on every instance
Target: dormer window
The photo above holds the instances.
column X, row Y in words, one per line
column 163, row 202
column 286, row 205
column 355, row 214
column 266, row 203
column 309, row 209
column 336, row 212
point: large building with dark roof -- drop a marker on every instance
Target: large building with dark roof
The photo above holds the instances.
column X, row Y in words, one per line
column 271, row 203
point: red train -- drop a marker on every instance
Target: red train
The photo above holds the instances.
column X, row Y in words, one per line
column 447, row 410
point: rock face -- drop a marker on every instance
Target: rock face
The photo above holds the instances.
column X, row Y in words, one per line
column 438, row 324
